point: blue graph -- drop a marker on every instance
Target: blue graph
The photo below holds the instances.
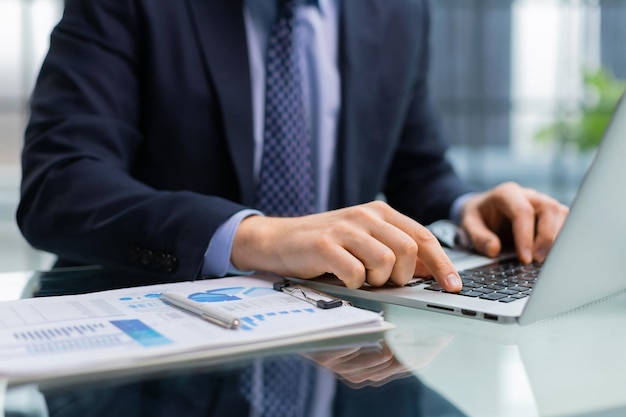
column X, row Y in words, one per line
column 228, row 294
column 141, row 333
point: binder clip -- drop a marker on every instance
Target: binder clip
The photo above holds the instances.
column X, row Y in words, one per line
column 310, row 295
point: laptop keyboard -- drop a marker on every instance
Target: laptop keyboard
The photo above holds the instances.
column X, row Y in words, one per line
column 504, row 281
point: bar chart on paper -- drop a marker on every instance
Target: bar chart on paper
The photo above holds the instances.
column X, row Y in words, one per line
column 65, row 338
column 89, row 335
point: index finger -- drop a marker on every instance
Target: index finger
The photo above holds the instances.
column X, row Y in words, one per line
column 429, row 251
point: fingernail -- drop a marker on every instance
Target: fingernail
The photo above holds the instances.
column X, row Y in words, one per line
column 453, row 281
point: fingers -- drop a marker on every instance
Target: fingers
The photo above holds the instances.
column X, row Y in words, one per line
column 533, row 218
column 550, row 219
column 368, row 243
column 361, row 247
column 483, row 239
column 505, row 205
column 536, row 220
column 386, row 251
column 397, row 248
column 367, row 365
column 387, row 244
column 429, row 251
column 518, row 208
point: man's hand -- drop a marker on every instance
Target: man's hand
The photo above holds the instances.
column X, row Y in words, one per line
column 510, row 213
column 362, row 366
column 370, row 243
column 376, row 365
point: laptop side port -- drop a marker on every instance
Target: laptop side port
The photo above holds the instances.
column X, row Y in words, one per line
column 468, row 313
column 491, row 317
column 439, row 307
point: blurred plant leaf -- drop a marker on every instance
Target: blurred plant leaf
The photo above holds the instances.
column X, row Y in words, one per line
column 585, row 129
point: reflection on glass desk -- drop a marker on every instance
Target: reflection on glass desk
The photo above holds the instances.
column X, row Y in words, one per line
column 430, row 365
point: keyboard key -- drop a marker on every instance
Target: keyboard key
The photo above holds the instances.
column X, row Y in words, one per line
column 518, row 288
column 483, row 290
column 495, row 287
column 493, row 296
column 434, row 287
column 508, row 291
column 470, row 293
column 507, row 300
column 417, row 281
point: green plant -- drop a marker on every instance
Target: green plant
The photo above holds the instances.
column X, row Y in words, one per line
column 585, row 127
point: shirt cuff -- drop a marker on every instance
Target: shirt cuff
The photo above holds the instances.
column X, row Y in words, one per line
column 217, row 257
column 457, row 207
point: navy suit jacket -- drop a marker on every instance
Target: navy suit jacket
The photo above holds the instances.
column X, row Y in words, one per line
column 140, row 141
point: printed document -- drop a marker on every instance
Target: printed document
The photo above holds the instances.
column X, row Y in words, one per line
column 57, row 335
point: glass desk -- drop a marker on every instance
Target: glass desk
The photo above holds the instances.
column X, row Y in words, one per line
column 431, row 364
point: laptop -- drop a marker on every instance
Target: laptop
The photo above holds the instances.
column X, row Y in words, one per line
column 584, row 265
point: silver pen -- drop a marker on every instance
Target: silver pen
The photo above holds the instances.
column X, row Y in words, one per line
column 217, row 317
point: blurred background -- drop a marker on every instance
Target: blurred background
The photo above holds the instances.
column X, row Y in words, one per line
column 524, row 89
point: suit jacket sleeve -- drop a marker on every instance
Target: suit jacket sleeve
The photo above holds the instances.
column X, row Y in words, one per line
column 93, row 190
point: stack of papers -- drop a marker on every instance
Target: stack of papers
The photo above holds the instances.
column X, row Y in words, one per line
column 49, row 337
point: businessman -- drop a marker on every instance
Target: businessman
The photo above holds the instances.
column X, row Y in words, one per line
column 152, row 122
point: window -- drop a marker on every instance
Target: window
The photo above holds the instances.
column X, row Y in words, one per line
column 501, row 70
column 25, row 27
column 27, row 24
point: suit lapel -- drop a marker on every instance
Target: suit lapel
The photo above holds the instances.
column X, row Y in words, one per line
column 221, row 30
column 359, row 45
